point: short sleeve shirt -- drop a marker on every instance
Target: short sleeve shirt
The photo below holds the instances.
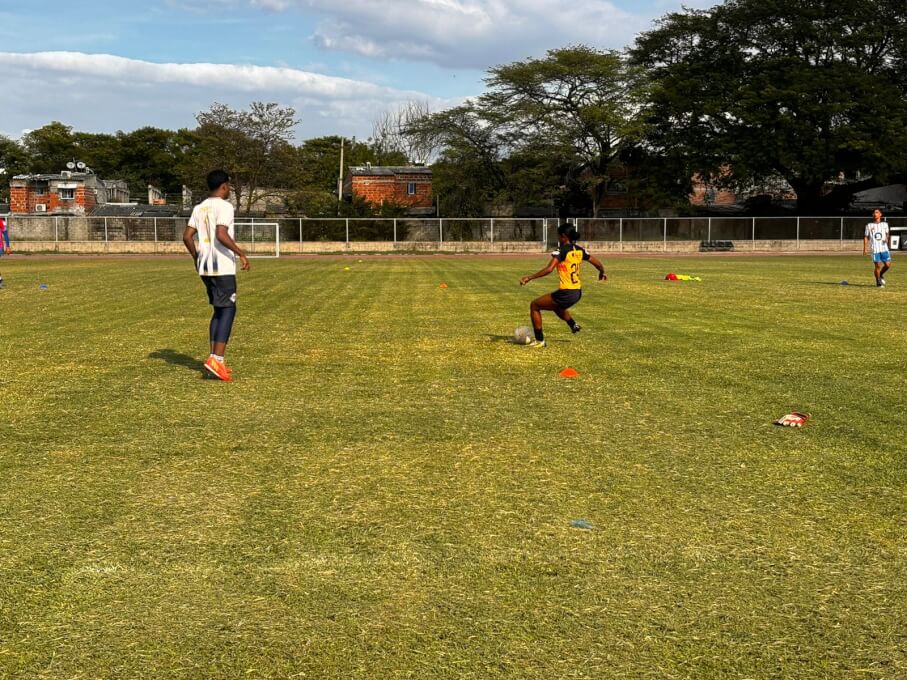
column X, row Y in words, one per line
column 569, row 260
column 214, row 258
column 877, row 233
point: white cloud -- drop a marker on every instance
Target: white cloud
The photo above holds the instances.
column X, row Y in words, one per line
column 103, row 93
column 465, row 33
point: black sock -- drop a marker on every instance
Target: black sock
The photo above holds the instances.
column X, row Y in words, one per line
column 571, row 322
column 539, row 335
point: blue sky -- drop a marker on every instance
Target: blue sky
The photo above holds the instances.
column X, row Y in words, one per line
column 102, row 67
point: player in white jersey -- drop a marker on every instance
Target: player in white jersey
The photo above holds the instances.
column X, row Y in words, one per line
column 215, row 261
column 878, row 236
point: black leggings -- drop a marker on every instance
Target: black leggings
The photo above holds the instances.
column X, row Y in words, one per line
column 222, row 323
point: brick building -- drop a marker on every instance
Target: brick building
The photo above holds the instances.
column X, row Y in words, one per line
column 409, row 186
column 63, row 193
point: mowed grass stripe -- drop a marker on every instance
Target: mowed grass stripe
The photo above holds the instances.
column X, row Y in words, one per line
column 387, row 488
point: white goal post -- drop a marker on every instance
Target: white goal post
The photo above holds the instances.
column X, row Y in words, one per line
column 259, row 239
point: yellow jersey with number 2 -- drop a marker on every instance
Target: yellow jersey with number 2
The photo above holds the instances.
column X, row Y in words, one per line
column 569, row 260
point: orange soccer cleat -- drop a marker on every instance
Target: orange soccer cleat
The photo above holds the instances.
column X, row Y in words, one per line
column 219, row 371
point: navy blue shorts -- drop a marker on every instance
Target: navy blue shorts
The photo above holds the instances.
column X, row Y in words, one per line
column 567, row 297
column 221, row 290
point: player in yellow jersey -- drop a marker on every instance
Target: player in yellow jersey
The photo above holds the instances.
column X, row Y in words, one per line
column 568, row 260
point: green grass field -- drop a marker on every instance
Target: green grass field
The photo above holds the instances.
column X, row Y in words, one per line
column 387, row 489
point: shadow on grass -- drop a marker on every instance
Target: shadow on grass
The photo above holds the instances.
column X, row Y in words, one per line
column 509, row 340
column 844, row 285
column 174, row 358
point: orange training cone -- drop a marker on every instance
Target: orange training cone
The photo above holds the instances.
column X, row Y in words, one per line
column 568, row 373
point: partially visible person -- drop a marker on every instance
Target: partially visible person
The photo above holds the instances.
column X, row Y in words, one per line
column 4, row 244
column 568, row 260
column 215, row 261
column 878, row 237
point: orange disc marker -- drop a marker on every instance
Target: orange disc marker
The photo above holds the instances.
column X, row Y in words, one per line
column 568, row 373
column 443, row 285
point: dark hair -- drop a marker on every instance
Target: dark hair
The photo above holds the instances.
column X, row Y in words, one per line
column 216, row 178
column 569, row 230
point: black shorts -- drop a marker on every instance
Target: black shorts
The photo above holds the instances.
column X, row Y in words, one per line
column 221, row 290
column 566, row 297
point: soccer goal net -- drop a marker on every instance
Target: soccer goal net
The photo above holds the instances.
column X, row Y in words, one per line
column 258, row 239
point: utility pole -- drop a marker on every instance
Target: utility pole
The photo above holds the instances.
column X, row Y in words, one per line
column 340, row 179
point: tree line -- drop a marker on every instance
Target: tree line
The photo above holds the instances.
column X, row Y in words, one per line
column 745, row 94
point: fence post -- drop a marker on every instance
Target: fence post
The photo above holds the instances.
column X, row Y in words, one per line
column 395, row 231
column 105, row 230
column 754, row 233
column 620, row 235
column 347, row 230
column 798, row 232
column 56, row 231
column 665, row 234
column 709, row 238
column 492, row 231
column 155, row 230
column 441, row 231
column 841, row 239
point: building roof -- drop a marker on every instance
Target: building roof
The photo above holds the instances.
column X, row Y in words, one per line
column 385, row 170
column 55, row 175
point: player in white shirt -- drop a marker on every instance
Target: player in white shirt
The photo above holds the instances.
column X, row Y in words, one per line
column 878, row 236
column 215, row 261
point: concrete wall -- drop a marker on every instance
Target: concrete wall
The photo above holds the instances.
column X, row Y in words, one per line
column 314, row 247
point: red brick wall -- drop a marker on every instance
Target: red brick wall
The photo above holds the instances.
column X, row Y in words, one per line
column 393, row 189
column 377, row 190
column 18, row 199
column 85, row 198
column 423, row 196
column 21, row 200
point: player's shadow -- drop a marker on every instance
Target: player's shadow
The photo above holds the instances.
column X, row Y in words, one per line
column 845, row 285
column 174, row 358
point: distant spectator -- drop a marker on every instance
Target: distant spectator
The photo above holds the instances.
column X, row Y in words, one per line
column 879, row 236
column 4, row 243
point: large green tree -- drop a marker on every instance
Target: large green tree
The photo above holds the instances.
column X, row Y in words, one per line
column 151, row 155
column 801, row 89
column 13, row 161
column 50, row 147
column 253, row 145
column 468, row 174
column 576, row 103
column 547, row 130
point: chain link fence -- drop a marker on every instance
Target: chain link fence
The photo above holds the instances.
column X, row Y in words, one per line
column 402, row 232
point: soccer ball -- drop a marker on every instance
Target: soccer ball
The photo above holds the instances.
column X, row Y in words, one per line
column 523, row 335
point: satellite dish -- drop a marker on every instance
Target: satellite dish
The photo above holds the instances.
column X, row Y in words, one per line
column 70, row 165
column 80, row 165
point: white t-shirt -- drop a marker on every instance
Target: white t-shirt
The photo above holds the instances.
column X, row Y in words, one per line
column 214, row 258
column 877, row 232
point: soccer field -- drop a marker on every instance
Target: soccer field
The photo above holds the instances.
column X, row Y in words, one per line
column 390, row 487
